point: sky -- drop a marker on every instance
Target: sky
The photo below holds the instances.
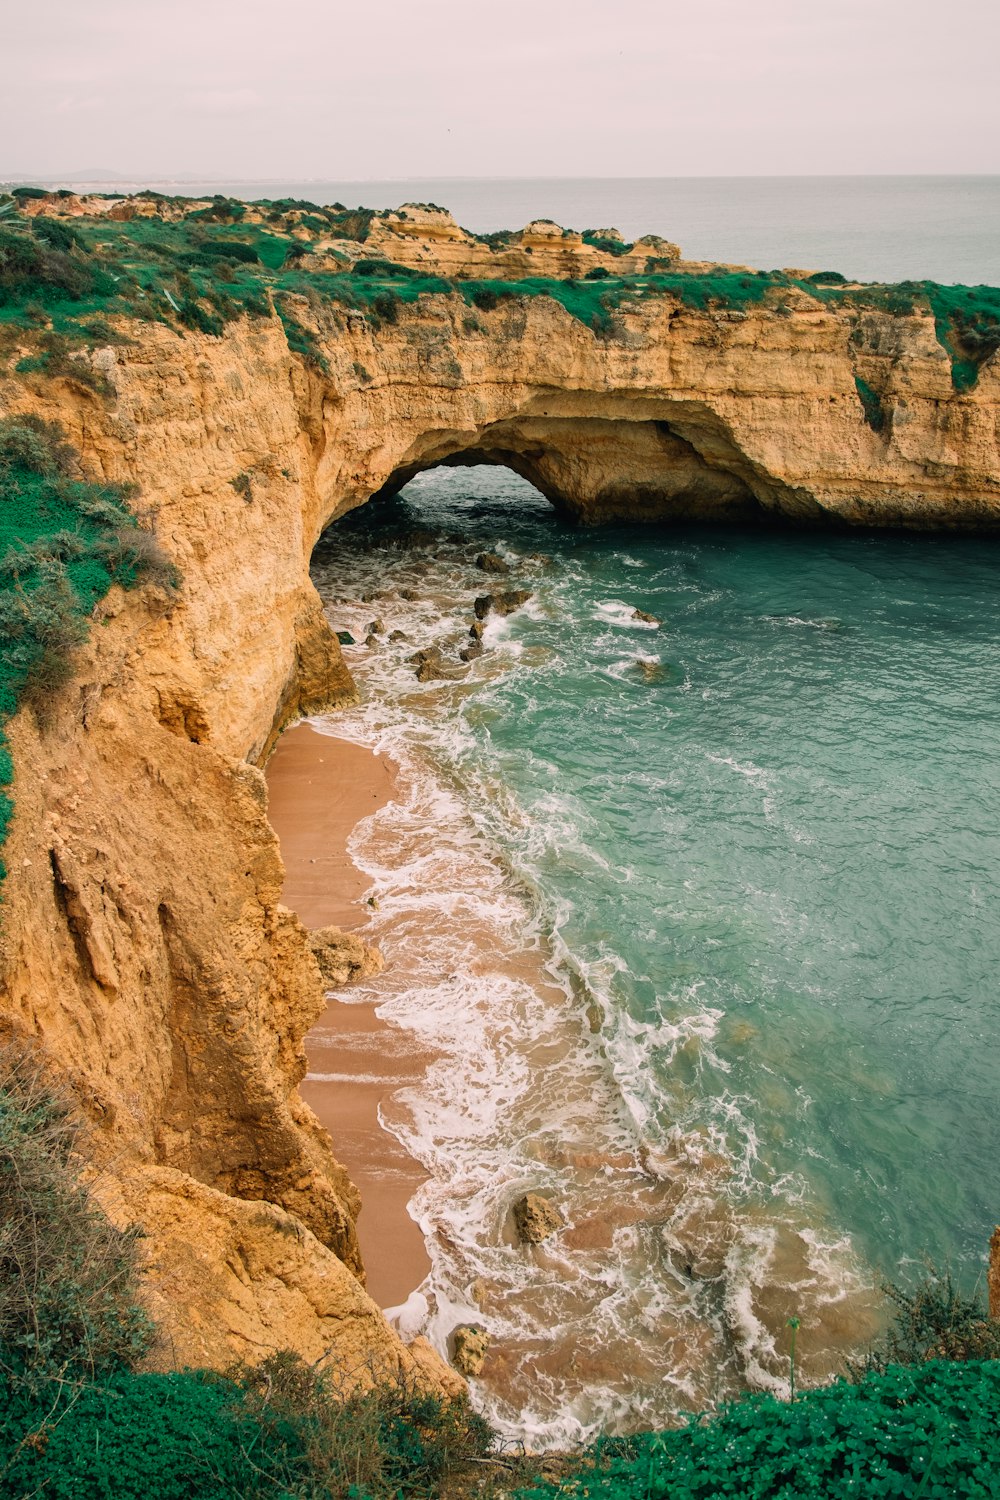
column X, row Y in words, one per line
column 370, row 89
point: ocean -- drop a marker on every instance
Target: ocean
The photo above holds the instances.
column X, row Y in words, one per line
column 700, row 918
column 871, row 228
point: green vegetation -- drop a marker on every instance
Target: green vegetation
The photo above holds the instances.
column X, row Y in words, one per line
column 930, row 1431
column 606, row 243
column 871, row 405
column 201, row 269
column 63, row 542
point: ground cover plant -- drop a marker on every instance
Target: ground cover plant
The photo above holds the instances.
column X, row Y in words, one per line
column 927, row 1431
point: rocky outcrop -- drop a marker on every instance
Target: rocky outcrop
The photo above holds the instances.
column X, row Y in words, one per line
column 143, row 940
column 343, row 957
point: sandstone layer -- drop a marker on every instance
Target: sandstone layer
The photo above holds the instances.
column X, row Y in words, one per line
column 143, row 941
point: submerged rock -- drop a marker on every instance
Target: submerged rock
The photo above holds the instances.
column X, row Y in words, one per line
column 536, row 1218
column 469, row 1345
column 650, row 670
column 343, row 957
column 346, row 638
column 491, row 562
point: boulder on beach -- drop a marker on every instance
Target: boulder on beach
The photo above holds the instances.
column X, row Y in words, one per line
column 536, row 1218
column 343, row 957
column 469, row 1344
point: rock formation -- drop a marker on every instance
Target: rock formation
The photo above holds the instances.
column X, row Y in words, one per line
column 143, row 940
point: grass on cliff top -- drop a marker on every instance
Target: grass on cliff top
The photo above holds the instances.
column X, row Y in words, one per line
column 63, row 542
column 60, row 279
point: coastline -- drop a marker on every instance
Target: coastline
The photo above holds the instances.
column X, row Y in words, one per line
column 319, row 789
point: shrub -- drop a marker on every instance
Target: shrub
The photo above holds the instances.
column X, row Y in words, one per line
column 29, row 192
column 386, row 306
column 485, row 299
column 68, row 1300
column 379, row 267
column 871, row 404
column 597, row 273
column 933, row 1320
column 388, row 1440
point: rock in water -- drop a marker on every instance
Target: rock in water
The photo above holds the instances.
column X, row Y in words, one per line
column 432, row 667
column 491, row 562
column 469, row 1345
column 536, row 1218
column 343, row 957
column 501, row 604
column 640, row 614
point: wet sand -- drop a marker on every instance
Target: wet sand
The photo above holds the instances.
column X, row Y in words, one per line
column 319, row 788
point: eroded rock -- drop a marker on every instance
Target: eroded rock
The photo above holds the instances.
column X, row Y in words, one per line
column 536, row 1218
column 491, row 562
column 469, row 1346
column 501, row 604
column 343, row 957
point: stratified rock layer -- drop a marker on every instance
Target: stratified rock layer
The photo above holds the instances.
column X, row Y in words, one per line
column 143, row 939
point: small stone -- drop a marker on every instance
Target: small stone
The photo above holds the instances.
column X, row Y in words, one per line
column 469, row 1344
column 491, row 562
column 536, row 1218
column 640, row 614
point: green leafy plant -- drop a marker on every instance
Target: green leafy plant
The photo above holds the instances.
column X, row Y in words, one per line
column 930, row 1430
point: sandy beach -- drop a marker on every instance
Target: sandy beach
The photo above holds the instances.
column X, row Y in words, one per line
column 319, row 788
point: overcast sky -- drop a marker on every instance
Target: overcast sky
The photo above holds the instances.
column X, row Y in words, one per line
column 397, row 88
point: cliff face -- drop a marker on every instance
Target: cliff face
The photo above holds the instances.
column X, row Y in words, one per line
column 143, row 941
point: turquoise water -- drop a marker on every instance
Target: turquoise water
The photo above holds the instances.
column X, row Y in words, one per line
column 761, row 838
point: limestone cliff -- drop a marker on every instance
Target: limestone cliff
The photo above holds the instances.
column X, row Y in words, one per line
column 143, row 940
